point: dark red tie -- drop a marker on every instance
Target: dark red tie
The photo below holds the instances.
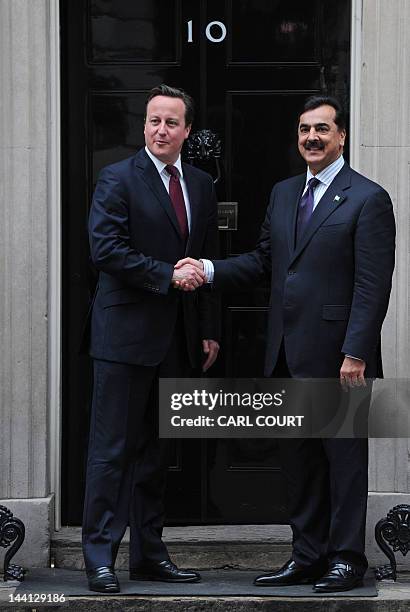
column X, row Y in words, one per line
column 177, row 199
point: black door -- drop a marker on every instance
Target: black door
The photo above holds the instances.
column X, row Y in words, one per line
column 249, row 65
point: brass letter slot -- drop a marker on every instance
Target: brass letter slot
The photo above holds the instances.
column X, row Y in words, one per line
column 227, row 216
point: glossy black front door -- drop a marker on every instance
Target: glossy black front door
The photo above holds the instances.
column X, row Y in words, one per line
column 249, row 65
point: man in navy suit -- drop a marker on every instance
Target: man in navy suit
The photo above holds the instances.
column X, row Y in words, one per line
column 327, row 243
column 148, row 212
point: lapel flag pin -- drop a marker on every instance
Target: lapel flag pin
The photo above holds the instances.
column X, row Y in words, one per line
column 337, row 198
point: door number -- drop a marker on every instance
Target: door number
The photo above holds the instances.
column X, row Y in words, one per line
column 215, row 31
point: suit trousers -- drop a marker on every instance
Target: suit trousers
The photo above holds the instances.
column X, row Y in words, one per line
column 327, row 487
column 127, row 463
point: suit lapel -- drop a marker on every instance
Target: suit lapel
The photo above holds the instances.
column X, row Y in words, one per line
column 151, row 177
column 294, row 196
column 334, row 196
column 194, row 193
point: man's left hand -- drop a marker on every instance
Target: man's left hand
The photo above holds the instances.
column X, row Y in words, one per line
column 352, row 373
column 211, row 348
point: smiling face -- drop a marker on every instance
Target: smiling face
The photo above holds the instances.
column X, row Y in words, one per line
column 320, row 140
column 165, row 130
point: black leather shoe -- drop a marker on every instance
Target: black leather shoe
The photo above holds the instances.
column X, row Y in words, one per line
column 289, row 574
column 103, row 580
column 164, row 571
column 340, row 577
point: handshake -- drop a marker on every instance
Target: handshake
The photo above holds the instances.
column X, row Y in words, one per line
column 188, row 274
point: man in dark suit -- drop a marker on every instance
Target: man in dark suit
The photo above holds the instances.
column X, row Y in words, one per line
column 327, row 243
column 148, row 211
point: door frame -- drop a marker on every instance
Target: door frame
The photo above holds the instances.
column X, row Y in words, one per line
column 55, row 280
column 55, row 227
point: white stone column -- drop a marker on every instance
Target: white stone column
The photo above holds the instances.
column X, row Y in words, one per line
column 382, row 152
column 24, row 180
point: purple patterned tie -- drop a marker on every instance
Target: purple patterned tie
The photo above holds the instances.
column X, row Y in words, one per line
column 177, row 199
column 306, row 206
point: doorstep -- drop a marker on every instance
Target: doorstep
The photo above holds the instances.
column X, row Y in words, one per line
column 392, row 597
column 257, row 547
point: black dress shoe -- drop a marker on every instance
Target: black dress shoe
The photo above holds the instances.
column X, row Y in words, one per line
column 289, row 574
column 103, row 580
column 340, row 577
column 164, row 571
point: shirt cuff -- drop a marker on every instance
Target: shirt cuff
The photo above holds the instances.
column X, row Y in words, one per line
column 353, row 357
column 208, row 270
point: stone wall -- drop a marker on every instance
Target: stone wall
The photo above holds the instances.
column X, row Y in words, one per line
column 384, row 155
column 24, row 178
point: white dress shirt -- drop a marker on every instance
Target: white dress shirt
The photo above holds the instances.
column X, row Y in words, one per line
column 160, row 166
column 325, row 177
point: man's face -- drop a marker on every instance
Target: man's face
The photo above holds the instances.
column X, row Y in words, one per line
column 165, row 129
column 320, row 141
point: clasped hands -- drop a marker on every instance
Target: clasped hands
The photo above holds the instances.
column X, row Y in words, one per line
column 188, row 274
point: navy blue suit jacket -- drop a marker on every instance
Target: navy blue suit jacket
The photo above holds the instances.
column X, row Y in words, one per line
column 330, row 292
column 135, row 241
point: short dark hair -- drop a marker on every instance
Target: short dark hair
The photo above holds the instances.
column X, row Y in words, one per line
column 316, row 101
column 173, row 92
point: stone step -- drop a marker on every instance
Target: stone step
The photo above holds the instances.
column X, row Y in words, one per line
column 392, row 597
column 244, row 547
column 256, row 547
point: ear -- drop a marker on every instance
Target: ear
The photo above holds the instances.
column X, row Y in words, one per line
column 187, row 131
